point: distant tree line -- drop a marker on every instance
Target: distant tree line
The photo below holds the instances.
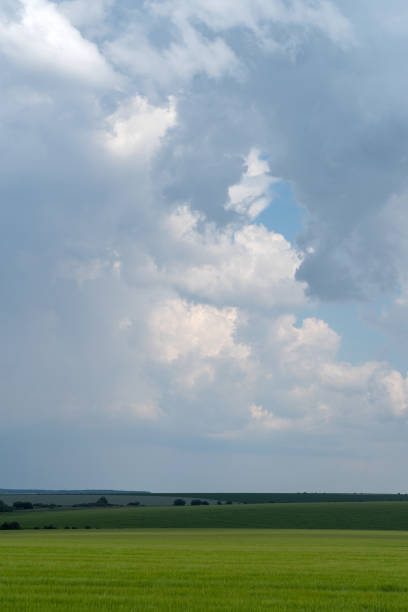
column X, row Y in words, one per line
column 194, row 502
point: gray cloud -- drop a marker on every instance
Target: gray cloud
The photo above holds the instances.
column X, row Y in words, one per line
column 139, row 310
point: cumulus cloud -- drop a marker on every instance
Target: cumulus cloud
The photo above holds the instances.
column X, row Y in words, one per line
column 39, row 38
column 237, row 264
column 141, row 292
column 180, row 329
column 137, row 127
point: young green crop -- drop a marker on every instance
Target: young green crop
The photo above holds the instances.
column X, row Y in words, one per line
column 358, row 515
column 197, row 570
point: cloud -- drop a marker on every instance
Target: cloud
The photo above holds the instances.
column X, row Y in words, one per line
column 180, row 330
column 137, row 127
column 255, row 15
column 89, row 14
column 237, row 265
column 191, row 54
column 143, row 300
column 39, row 38
column 251, row 195
column 192, row 42
column 397, row 390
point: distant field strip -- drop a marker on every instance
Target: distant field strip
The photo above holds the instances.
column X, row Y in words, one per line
column 69, row 499
column 358, row 515
column 260, row 498
column 197, row 570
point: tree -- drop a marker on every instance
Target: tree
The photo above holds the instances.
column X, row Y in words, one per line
column 23, row 505
column 12, row 525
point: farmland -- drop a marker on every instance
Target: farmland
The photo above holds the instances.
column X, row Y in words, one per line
column 72, row 499
column 209, row 569
column 334, row 515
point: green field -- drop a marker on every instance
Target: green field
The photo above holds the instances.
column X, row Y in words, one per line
column 262, row 498
column 358, row 515
column 255, row 570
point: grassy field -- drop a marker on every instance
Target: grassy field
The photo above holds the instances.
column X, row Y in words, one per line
column 359, row 515
column 261, row 498
column 199, row 570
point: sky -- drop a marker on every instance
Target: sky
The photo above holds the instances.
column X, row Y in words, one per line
column 203, row 239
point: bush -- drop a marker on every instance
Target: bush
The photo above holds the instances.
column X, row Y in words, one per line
column 49, row 526
column 196, row 502
column 12, row 525
column 179, row 502
column 4, row 507
column 133, row 504
column 102, row 502
column 23, row 505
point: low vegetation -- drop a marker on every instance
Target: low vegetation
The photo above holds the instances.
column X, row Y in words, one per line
column 285, row 498
column 201, row 570
column 12, row 525
column 367, row 515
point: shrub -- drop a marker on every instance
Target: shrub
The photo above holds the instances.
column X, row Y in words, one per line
column 23, row 505
column 12, row 525
column 195, row 502
column 134, row 503
column 49, row 526
column 179, row 502
column 4, row 507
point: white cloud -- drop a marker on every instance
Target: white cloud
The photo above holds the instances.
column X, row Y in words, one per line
column 181, row 330
column 41, row 39
column 397, row 391
column 305, row 348
column 236, row 265
column 346, row 377
column 137, row 127
column 267, row 419
column 251, row 195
